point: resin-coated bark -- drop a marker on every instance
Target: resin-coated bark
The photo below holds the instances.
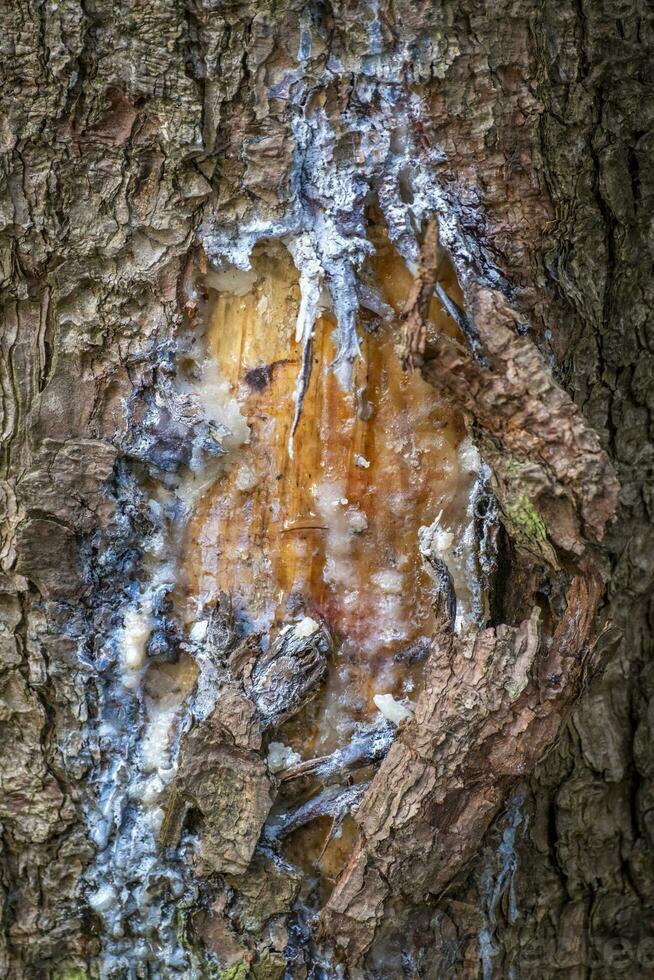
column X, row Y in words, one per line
column 234, row 528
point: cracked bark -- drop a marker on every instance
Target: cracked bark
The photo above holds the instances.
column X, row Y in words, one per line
column 123, row 129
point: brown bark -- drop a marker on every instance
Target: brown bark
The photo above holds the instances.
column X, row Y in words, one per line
column 493, row 701
column 503, row 831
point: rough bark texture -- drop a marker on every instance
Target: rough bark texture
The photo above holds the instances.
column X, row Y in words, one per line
column 125, row 130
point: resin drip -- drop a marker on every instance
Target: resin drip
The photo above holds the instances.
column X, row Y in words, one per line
column 149, row 687
column 331, row 531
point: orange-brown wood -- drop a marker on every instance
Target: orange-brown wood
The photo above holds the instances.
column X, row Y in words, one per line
column 332, row 530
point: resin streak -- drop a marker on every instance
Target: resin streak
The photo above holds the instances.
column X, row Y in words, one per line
column 331, row 531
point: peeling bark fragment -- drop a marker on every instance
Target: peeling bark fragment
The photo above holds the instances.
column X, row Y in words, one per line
column 222, row 777
column 416, row 309
column 334, row 801
column 464, row 324
column 485, row 714
column 362, row 750
column 515, row 400
column 444, row 597
column 483, row 719
column 247, row 920
column 268, row 888
column 287, row 675
column 518, row 403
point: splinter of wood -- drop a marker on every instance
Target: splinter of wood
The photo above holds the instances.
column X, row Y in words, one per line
column 416, row 308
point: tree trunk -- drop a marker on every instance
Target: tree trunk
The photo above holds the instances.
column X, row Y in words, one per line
column 327, row 633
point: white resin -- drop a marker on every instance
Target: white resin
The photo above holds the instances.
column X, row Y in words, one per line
column 389, row 581
column 394, row 711
column 457, row 547
column 136, row 632
column 246, row 478
column 281, row 757
column 306, row 627
column 103, row 899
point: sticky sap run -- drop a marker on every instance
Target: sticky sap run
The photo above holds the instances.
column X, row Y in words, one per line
column 332, row 531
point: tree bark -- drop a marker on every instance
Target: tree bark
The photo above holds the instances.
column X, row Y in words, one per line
column 152, row 155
